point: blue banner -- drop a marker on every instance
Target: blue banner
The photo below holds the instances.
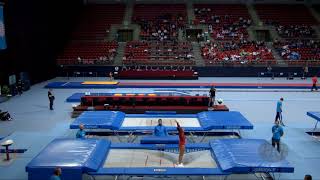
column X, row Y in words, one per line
column 3, row 44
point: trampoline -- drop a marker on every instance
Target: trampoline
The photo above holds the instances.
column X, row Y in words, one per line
column 315, row 116
column 195, row 125
column 204, row 121
column 103, row 158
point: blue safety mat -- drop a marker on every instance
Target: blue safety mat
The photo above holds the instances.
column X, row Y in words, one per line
column 248, row 156
column 223, row 120
column 74, row 156
column 78, row 85
column 78, row 156
column 314, row 115
column 209, row 120
column 99, row 120
column 76, row 97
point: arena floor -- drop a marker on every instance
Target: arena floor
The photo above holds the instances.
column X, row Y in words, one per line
column 34, row 125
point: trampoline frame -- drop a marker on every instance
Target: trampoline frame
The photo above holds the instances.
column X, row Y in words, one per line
column 190, row 135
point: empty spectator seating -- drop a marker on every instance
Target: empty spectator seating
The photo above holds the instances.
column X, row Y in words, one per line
column 157, row 73
column 225, row 21
column 284, row 14
column 88, row 53
column 242, row 52
column 96, row 20
column 160, row 21
column 316, row 7
column 158, row 53
column 291, row 21
column 87, row 44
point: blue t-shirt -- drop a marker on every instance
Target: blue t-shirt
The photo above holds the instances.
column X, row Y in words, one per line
column 55, row 177
column 279, row 106
column 160, row 131
column 277, row 132
column 81, row 134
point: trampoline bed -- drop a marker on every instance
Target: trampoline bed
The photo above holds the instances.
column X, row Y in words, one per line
column 102, row 158
column 131, row 158
column 119, row 121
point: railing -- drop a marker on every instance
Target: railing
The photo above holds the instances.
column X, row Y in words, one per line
column 222, row 63
column 67, row 61
column 265, row 63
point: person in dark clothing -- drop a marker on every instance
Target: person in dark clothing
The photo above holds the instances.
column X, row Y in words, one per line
column 5, row 116
column 212, row 94
column 51, row 98
column 111, row 76
column 20, row 87
column 279, row 111
column 308, row 177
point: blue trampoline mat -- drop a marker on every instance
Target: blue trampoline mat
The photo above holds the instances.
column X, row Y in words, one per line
column 208, row 120
column 315, row 115
column 78, row 85
column 87, row 156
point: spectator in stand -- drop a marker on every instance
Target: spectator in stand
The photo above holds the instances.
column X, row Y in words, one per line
column 198, row 37
column 314, row 83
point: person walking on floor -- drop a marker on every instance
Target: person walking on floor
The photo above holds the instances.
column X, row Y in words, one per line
column 212, row 94
column 314, row 83
column 277, row 133
column 51, row 98
column 279, row 112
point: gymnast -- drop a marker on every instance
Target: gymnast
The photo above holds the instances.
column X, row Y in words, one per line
column 160, row 130
column 182, row 143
